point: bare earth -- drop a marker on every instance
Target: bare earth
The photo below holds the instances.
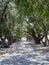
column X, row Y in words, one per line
column 25, row 53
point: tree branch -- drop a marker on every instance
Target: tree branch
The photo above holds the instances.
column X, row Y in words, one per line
column 4, row 10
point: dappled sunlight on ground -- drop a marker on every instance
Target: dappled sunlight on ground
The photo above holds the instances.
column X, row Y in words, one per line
column 24, row 54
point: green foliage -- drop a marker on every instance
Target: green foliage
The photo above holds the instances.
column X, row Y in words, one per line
column 33, row 13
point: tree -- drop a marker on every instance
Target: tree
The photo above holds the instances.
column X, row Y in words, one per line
column 35, row 14
column 38, row 13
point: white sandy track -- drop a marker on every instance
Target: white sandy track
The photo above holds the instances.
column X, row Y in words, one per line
column 24, row 54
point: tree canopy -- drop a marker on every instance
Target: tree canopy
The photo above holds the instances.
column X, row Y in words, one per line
column 20, row 18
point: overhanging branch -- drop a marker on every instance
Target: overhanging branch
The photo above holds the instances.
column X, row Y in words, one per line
column 4, row 10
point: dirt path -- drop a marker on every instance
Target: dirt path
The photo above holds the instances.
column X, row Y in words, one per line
column 26, row 53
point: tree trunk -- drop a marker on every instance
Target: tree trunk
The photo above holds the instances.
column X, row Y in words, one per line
column 3, row 13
